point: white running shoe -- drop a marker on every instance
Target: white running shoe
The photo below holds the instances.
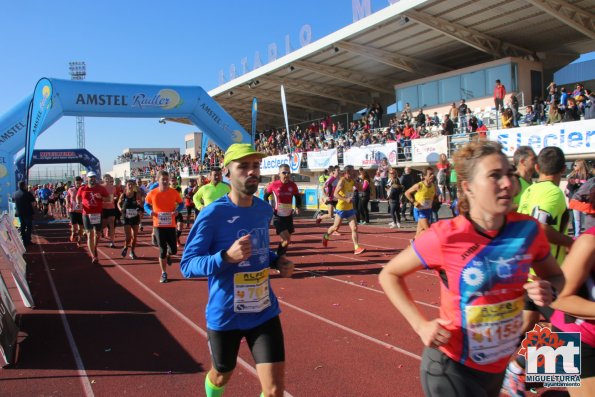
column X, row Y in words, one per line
column 398, row 225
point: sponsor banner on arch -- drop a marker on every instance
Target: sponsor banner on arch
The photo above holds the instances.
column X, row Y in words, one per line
column 270, row 165
column 322, row 160
column 428, row 150
column 371, row 155
column 577, row 137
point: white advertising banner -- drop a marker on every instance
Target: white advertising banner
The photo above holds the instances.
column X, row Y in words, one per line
column 371, row 155
column 270, row 165
column 323, row 159
column 428, row 150
column 577, row 137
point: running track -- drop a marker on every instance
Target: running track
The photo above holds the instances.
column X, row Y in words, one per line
column 113, row 329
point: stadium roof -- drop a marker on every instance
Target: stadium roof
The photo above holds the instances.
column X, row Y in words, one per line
column 411, row 39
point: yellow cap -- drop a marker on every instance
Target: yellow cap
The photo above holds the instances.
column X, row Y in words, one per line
column 239, row 151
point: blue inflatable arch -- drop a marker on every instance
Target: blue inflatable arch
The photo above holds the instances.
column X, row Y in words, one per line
column 54, row 98
column 58, row 156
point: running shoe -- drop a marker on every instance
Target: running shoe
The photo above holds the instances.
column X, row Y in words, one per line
column 398, row 225
column 513, row 385
column 112, row 245
column 318, row 220
column 163, row 278
column 133, row 255
column 154, row 240
column 141, row 228
column 391, row 224
column 169, row 262
column 324, row 241
column 94, row 260
column 359, row 251
column 72, row 237
column 124, row 252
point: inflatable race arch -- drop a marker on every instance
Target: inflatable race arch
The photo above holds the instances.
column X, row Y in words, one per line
column 58, row 156
column 54, row 98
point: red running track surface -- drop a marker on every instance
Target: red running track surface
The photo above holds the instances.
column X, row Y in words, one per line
column 130, row 335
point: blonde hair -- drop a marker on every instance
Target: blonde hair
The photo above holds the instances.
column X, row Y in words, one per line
column 466, row 160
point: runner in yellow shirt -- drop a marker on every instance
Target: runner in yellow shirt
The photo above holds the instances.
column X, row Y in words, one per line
column 344, row 196
column 422, row 195
column 212, row 191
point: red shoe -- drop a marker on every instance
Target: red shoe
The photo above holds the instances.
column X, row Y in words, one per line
column 318, row 220
column 324, row 241
column 359, row 250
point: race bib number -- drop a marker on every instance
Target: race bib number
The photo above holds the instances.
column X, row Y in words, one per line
column 493, row 330
column 251, row 291
column 425, row 204
column 95, row 219
column 131, row 212
column 165, row 218
column 284, row 209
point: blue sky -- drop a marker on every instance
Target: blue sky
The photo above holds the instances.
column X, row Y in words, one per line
column 146, row 42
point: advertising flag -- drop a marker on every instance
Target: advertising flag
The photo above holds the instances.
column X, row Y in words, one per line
column 38, row 111
column 285, row 114
column 254, row 116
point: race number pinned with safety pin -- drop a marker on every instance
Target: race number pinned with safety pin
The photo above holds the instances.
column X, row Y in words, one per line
column 251, row 291
column 131, row 212
column 165, row 218
column 95, row 219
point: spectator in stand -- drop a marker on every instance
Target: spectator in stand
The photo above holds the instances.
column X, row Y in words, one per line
column 589, row 105
column 571, row 113
column 539, row 108
column 453, row 112
column 553, row 94
column 472, row 122
column 563, row 98
column 580, row 97
column 407, row 180
column 554, row 115
column 530, row 116
column 507, row 118
column 448, row 127
column 407, row 114
column 463, row 108
column 513, row 104
column 482, row 130
column 420, row 119
column 408, row 131
column 435, row 120
column 499, row 94
column 378, row 185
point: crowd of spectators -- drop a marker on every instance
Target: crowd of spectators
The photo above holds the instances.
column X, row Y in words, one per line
column 402, row 128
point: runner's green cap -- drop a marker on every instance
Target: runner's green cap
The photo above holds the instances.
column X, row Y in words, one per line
column 239, row 151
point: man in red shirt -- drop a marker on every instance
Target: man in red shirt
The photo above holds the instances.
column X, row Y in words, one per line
column 284, row 190
column 92, row 196
column 499, row 94
column 164, row 202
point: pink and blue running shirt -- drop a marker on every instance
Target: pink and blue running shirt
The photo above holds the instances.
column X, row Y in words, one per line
column 481, row 287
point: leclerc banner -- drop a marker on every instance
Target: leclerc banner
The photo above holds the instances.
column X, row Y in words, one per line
column 322, row 160
column 428, row 150
column 42, row 103
column 371, row 155
column 577, row 137
column 270, row 165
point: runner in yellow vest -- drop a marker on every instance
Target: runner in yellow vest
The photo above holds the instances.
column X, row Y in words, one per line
column 422, row 196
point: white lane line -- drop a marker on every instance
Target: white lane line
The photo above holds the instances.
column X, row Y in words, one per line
column 86, row 384
column 179, row 314
column 352, row 284
column 352, row 331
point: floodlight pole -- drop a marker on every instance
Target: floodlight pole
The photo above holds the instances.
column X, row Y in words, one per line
column 78, row 71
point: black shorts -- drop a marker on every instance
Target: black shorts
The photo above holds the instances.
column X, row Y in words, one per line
column 76, row 218
column 135, row 220
column 442, row 376
column 282, row 223
column 179, row 218
column 265, row 342
column 89, row 226
column 107, row 212
column 166, row 239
